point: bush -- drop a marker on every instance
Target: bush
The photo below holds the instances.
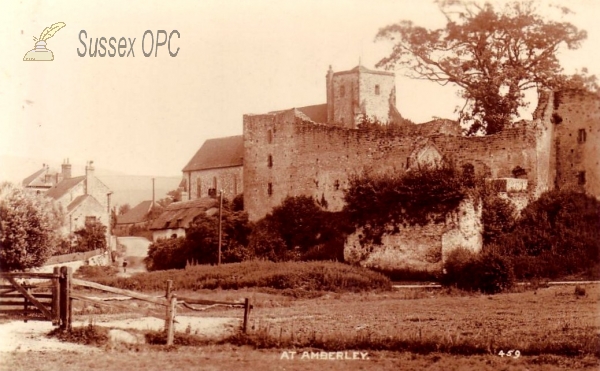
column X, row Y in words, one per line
column 556, row 235
column 91, row 272
column 487, row 272
column 299, row 229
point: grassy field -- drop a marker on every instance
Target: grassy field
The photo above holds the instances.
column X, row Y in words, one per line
column 554, row 328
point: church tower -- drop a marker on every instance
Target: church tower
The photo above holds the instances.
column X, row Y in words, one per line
column 358, row 93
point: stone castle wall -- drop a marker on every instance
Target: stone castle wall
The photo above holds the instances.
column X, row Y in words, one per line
column 577, row 141
column 420, row 248
column 318, row 160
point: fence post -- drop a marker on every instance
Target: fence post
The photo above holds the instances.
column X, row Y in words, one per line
column 56, row 297
column 169, row 313
column 172, row 306
column 65, row 302
column 26, row 306
column 246, row 312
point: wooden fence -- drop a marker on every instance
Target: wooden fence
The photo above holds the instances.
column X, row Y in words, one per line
column 56, row 305
column 37, row 300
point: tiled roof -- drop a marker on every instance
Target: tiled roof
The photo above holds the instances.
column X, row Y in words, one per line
column 181, row 214
column 63, row 187
column 38, row 179
column 79, row 200
column 317, row 113
column 135, row 215
column 218, row 152
column 27, row 181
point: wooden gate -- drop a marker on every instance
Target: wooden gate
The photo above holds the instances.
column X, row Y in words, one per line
column 37, row 296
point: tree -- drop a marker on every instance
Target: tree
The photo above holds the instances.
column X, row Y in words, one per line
column 28, row 228
column 299, row 229
column 492, row 55
column 91, row 237
column 123, row 209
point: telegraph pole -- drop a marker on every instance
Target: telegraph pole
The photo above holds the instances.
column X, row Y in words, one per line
column 220, row 224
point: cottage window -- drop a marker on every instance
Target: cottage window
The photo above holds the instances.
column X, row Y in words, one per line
column 376, row 89
column 90, row 219
column 342, row 91
column 581, row 178
column 270, row 189
column 198, row 189
column 269, row 136
column 270, row 161
column 581, row 136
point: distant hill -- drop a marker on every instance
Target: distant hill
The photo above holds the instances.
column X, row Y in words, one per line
column 131, row 189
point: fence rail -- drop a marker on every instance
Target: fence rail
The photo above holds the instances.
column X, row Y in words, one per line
column 56, row 305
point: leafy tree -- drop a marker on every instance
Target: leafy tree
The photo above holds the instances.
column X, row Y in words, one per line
column 492, row 55
column 91, row 237
column 299, row 229
column 28, row 228
column 123, row 209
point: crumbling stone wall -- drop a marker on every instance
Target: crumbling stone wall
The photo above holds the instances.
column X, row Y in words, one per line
column 420, row 248
column 317, row 160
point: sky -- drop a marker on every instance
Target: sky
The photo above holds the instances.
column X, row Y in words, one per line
column 149, row 115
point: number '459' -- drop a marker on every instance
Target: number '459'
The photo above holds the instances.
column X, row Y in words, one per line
column 511, row 353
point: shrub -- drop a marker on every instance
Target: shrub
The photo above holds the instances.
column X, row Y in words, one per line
column 87, row 335
column 299, row 229
column 487, row 272
column 95, row 271
column 556, row 235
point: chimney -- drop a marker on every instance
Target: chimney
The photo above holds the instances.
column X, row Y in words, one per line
column 66, row 170
column 89, row 177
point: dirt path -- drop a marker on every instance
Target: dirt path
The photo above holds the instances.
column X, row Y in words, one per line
column 18, row 336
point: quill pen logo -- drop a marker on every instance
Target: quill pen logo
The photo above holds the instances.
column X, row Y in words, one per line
column 40, row 52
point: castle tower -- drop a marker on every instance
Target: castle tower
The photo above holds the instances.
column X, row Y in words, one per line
column 358, row 93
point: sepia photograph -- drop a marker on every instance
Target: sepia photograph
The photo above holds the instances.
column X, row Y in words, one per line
column 299, row 185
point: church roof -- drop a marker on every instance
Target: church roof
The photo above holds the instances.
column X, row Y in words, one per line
column 217, row 153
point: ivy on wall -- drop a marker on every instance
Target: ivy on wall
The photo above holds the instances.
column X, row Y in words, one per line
column 418, row 197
